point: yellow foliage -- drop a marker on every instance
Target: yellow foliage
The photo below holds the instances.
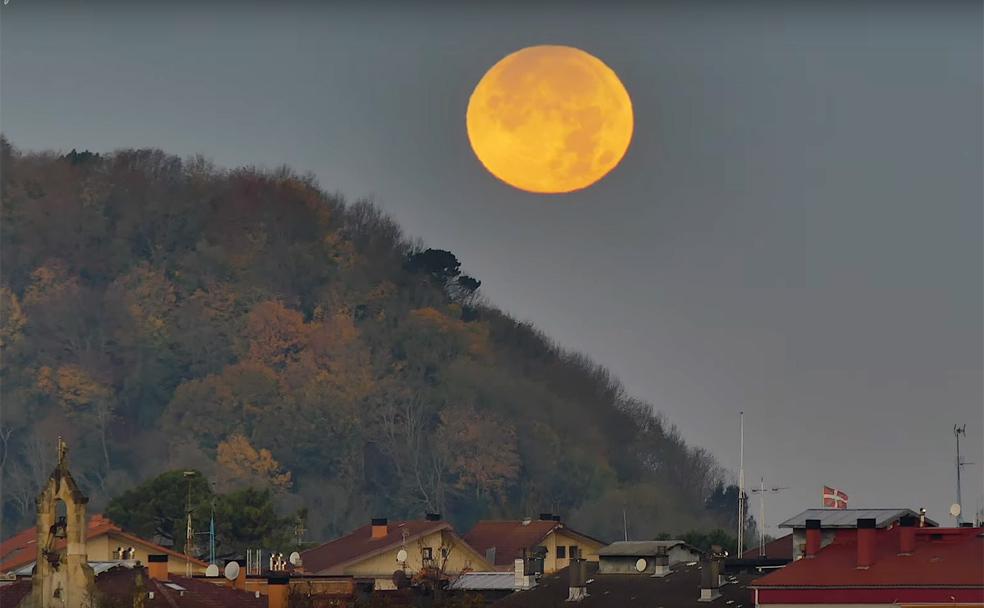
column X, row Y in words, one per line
column 239, row 460
column 76, row 389
column 150, row 297
column 476, row 335
column 49, row 281
column 45, row 381
column 276, row 334
column 12, row 319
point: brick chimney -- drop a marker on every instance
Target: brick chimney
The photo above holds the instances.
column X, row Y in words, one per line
column 813, row 538
column 710, row 574
column 278, row 590
column 157, row 567
column 380, row 528
column 907, row 534
column 866, row 542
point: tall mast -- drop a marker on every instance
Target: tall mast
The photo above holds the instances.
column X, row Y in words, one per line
column 741, row 481
column 957, row 432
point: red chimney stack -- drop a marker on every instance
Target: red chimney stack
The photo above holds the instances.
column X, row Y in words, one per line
column 907, row 534
column 157, row 567
column 866, row 542
column 380, row 528
column 812, row 537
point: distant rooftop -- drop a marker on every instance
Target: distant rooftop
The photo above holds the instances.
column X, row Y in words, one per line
column 485, row 581
column 642, row 548
column 848, row 518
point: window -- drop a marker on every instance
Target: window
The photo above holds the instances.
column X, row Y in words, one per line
column 561, row 552
column 428, row 553
column 572, row 551
column 444, row 552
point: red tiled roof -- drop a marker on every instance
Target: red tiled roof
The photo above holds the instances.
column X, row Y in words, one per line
column 330, row 557
column 11, row 594
column 780, row 548
column 941, row 557
column 119, row 586
column 510, row 537
column 21, row 549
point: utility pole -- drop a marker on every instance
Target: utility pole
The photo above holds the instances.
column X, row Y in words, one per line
column 957, row 432
column 761, row 492
column 741, row 482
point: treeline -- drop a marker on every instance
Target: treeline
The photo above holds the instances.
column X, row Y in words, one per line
column 165, row 314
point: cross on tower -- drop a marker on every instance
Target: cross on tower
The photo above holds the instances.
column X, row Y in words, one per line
column 62, row 452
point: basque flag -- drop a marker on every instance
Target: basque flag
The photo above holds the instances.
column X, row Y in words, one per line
column 834, row 499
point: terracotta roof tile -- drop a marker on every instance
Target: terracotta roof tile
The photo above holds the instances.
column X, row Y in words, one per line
column 942, row 556
column 21, row 549
column 509, row 537
column 332, row 556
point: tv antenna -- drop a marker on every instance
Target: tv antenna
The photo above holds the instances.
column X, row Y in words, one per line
column 189, row 531
column 762, row 491
column 741, row 481
column 959, row 430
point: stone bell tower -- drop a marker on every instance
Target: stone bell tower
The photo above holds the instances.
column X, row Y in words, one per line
column 62, row 576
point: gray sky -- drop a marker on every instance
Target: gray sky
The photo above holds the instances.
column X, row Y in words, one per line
column 796, row 229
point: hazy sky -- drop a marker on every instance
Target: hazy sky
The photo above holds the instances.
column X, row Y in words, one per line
column 796, row 230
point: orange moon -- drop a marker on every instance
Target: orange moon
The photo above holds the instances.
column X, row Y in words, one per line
column 550, row 119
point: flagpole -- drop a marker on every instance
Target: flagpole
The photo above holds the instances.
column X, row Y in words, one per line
column 741, row 480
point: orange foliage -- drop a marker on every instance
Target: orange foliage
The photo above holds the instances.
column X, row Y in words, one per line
column 149, row 296
column 476, row 335
column 276, row 334
column 12, row 319
column 76, row 389
column 482, row 449
column 49, row 281
column 239, row 460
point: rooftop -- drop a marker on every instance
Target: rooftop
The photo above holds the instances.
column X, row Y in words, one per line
column 335, row 554
column 119, row 585
column 484, row 581
column 780, row 548
column 848, row 518
column 941, row 557
column 511, row 537
column 21, row 549
column 679, row 589
column 643, row 548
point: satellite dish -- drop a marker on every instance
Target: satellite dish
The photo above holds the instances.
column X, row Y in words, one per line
column 640, row 565
column 401, row 555
column 232, row 571
column 955, row 509
column 212, row 571
column 295, row 558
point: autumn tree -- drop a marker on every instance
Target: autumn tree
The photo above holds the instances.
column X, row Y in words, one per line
column 481, row 448
column 239, row 462
column 275, row 334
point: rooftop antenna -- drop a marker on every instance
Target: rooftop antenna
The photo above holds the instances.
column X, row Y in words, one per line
column 761, row 491
column 959, row 430
column 741, row 481
column 189, row 531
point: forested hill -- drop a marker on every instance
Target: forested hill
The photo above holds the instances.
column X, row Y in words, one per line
column 165, row 314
